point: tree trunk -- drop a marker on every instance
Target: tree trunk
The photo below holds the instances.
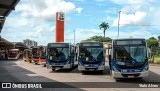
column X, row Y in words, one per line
column 104, row 33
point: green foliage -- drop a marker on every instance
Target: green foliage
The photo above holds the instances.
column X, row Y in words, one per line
column 98, row 39
column 105, row 26
column 152, row 42
column 158, row 52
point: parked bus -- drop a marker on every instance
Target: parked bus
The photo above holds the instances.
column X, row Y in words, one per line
column 13, row 54
column 91, row 56
column 60, row 56
column 129, row 58
column 2, row 54
column 35, row 54
column 28, row 55
column 42, row 56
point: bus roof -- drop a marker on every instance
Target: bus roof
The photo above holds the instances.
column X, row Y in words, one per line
column 91, row 44
column 129, row 39
column 13, row 50
column 58, row 44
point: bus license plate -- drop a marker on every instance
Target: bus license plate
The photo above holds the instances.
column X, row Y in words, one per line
column 130, row 76
column 91, row 69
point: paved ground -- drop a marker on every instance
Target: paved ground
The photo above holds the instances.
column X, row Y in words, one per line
column 20, row 71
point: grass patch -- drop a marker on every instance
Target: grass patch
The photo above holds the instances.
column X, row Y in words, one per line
column 157, row 56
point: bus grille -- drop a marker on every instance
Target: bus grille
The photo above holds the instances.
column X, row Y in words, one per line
column 135, row 75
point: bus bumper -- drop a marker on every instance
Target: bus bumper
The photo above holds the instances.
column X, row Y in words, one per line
column 42, row 63
column 83, row 68
column 130, row 75
column 66, row 66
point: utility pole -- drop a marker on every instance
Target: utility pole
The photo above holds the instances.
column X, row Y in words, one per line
column 118, row 23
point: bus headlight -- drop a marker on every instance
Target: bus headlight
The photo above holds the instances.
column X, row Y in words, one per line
column 115, row 69
column 145, row 68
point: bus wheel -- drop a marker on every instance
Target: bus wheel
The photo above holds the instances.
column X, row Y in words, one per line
column 44, row 65
column 83, row 72
column 117, row 79
column 30, row 61
column 101, row 71
column 36, row 63
column 53, row 69
column 139, row 78
column 72, row 65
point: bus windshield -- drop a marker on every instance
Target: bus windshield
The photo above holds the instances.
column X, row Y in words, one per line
column 12, row 54
column 43, row 55
column 29, row 53
column 58, row 54
column 129, row 55
column 35, row 52
column 92, row 55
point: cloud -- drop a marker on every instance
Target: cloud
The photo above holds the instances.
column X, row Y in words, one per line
column 100, row 0
column 80, row 0
column 45, row 9
column 81, row 34
column 124, row 2
column 131, row 19
column 79, row 10
column 138, row 12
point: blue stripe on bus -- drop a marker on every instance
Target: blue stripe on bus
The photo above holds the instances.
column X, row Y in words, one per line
column 128, row 70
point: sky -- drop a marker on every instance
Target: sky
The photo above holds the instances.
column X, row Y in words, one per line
column 35, row 19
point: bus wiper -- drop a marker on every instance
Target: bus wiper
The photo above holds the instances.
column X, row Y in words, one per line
column 128, row 54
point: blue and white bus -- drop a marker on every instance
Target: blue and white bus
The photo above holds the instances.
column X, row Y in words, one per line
column 60, row 56
column 91, row 56
column 129, row 58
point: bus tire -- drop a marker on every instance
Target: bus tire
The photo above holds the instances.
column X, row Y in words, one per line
column 101, row 71
column 72, row 65
column 36, row 63
column 53, row 69
column 140, row 78
column 30, row 61
column 44, row 65
column 83, row 72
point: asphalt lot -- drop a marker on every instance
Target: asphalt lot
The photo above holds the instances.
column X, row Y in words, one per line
column 71, row 80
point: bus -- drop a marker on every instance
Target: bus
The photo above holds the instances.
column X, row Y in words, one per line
column 129, row 58
column 91, row 56
column 27, row 55
column 60, row 56
column 35, row 54
column 13, row 54
column 42, row 55
column 2, row 54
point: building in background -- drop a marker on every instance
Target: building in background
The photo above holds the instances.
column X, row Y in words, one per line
column 30, row 43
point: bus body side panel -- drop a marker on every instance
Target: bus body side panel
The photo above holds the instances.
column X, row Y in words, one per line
column 42, row 61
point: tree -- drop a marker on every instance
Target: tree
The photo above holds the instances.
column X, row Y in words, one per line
column 152, row 42
column 98, row 39
column 105, row 26
column 153, row 38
